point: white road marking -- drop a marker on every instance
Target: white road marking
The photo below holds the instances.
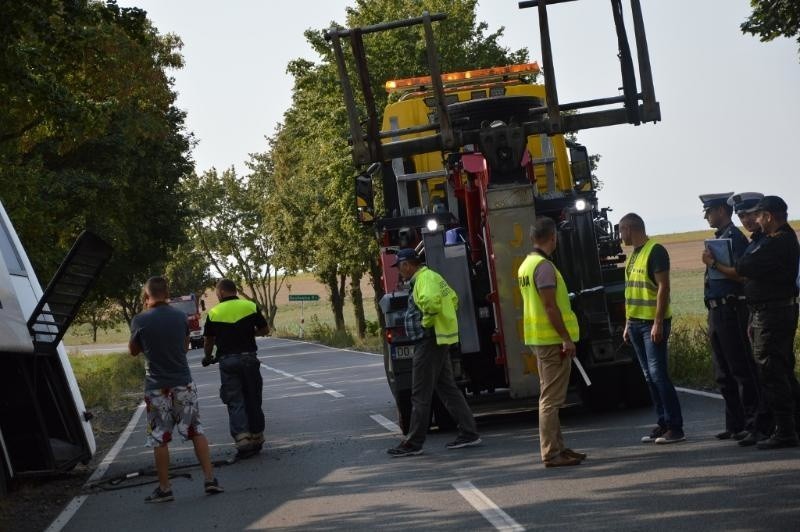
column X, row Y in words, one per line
column 386, row 423
column 698, row 392
column 313, row 384
column 331, row 348
column 493, row 513
column 74, row 505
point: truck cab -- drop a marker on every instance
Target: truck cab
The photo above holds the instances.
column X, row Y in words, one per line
column 188, row 305
column 44, row 425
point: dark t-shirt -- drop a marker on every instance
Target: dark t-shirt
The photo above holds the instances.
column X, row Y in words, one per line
column 657, row 262
column 162, row 332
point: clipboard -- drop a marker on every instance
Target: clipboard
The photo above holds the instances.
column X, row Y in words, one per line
column 722, row 249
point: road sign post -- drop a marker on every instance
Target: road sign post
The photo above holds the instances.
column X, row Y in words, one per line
column 302, row 298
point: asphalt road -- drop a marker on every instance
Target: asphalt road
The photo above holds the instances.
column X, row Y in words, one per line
column 324, row 467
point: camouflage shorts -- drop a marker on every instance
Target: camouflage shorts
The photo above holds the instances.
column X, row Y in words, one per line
column 168, row 407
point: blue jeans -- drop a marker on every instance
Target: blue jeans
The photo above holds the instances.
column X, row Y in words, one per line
column 241, row 393
column 653, row 359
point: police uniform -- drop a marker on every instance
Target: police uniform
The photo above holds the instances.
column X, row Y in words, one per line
column 771, row 270
column 734, row 367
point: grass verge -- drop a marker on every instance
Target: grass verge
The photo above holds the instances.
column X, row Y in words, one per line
column 110, row 382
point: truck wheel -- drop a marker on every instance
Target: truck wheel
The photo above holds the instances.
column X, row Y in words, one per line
column 605, row 393
column 440, row 416
column 506, row 109
column 634, row 388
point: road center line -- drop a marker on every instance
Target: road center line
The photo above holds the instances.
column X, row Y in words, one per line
column 74, row 505
column 493, row 513
column 386, row 423
column 332, row 393
column 699, row 392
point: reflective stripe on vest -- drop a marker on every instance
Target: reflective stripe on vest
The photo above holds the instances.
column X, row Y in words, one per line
column 641, row 293
column 537, row 327
column 232, row 310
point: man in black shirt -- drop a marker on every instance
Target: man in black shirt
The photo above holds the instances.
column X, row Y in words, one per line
column 231, row 327
column 771, row 291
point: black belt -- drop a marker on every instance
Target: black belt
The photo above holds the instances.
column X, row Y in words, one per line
column 778, row 303
column 727, row 300
column 220, row 357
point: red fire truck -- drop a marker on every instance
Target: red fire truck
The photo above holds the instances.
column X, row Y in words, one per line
column 188, row 305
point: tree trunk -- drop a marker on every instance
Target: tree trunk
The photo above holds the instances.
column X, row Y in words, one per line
column 358, row 304
column 336, row 285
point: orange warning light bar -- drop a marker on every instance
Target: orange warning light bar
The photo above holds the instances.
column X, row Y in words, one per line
column 469, row 75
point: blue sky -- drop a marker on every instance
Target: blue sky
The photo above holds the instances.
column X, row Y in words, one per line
column 730, row 104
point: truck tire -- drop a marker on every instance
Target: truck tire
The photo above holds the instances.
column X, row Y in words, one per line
column 635, row 391
column 606, row 392
column 471, row 114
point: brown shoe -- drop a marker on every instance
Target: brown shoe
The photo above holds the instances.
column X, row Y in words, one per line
column 561, row 460
column 569, row 453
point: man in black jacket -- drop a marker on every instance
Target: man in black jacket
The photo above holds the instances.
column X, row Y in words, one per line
column 771, row 290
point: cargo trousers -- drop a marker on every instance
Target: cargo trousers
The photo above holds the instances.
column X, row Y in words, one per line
column 554, row 373
column 431, row 372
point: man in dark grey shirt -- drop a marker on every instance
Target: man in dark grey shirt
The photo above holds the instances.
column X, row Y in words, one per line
column 162, row 334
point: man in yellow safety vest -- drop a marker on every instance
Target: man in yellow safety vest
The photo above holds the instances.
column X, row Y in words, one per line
column 648, row 324
column 551, row 329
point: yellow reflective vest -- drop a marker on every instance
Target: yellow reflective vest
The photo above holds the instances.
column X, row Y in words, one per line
column 438, row 303
column 640, row 291
column 232, row 310
column 537, row 327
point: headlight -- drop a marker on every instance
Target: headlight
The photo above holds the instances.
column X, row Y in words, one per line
column 432, row 224
column 580, row 205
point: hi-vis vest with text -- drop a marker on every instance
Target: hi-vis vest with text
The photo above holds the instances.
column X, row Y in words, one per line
column 438, row 303
column 640, row 290
column 537, row 326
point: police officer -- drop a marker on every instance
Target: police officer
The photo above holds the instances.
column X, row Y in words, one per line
column 734, row 367
column 771, row 270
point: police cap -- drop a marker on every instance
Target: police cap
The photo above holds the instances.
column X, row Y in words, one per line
column 405, row 255
column 745, row 202
column 714, row 200
column 771, row 204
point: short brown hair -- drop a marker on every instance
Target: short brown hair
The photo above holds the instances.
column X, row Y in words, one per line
column 157, row 287
column 634, row 220
column 543, row 228
column 227, row 286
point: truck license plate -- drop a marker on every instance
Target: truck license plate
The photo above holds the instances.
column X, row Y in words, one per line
column 403, row 351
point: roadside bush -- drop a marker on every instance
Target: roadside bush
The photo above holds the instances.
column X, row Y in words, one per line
column 325, row 333
column 690, row 354
column 113, row 381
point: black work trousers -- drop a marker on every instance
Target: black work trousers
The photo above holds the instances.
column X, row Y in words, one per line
column 773, row 331
column 241, row 389
column 734, row 366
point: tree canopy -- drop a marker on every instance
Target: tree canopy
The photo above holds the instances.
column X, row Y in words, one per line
column 773, row 18
column 90, row 136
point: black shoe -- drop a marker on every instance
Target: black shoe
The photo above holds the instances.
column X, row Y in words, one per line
column 212, row 487
column 654, row 435
column 739, row 436
column 727, row 435
column 569, row 453
column 160, row 495
column 751, row 439
column 404, row 449
column 775, row 442
column 460, row 442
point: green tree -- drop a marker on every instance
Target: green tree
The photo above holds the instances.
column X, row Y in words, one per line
column 313, row 167
column 98, row 314
column 772, row 19
column 188, row 271
column 90, row 137
column 232, row 231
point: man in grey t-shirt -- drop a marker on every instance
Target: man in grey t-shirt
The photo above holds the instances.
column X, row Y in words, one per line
column 162, row 334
